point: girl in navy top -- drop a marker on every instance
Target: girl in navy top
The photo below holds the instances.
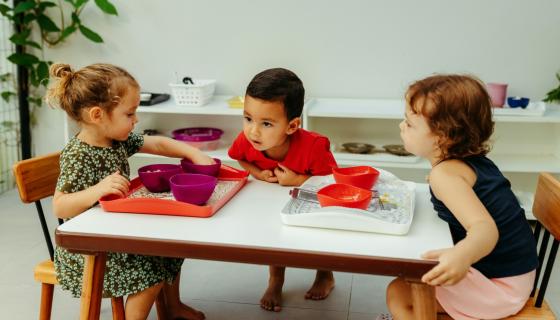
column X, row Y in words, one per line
column 489, row 272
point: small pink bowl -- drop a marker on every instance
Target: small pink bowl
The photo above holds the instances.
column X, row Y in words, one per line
column 209, row 169
column 155, row 177
column 192, row 188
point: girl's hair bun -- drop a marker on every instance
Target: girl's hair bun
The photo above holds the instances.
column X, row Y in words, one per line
column 60, row 70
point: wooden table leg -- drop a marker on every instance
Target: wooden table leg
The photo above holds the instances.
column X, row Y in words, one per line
column 92, row 286
column 423, row 301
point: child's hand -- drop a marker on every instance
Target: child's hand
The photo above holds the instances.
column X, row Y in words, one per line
column 286, row 177
column 113, row 184
column 268, row 176
column 202, row 158
column 452, row 267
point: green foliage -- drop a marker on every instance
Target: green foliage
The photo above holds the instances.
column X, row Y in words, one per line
column 554, row 94
column 33, row 17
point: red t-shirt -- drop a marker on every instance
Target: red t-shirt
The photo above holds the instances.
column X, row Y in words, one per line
column 309, row 154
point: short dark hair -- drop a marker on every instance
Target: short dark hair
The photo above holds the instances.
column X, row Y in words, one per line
column 458, row 109
column 279, row 84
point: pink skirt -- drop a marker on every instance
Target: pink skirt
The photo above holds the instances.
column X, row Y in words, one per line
column 477, row 297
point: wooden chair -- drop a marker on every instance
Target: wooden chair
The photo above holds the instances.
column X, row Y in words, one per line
column 36, row 180
column 546, row 208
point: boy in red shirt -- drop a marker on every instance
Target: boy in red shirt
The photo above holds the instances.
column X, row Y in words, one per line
column 273, row 148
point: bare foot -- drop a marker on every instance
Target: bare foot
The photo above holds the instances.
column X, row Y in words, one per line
column 322, row 287
column 272, row 298
column 187, row 313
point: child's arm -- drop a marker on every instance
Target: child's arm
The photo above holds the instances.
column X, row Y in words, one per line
column 264, row 175
column 287, row 177
column 168, row 147
column 68, row 205
column 452, row 182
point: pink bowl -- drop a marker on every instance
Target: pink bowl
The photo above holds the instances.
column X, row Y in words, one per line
column 155, row 177
column 192, row 188
column 360, row 176
column 197, row 134
column 210, row 169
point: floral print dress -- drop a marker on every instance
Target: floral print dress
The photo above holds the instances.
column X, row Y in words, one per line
column 82, row 166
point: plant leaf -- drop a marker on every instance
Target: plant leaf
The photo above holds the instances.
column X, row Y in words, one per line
column 28, row 18
column 20, row 38
column 75, row 18
column 5, row 77
column 23, row 59
column 24, row 6
column 43, row 73
column 46, row 4
column 67, row 31
column 33, row 44
column 6, row 95
column 106, row 7
column 47, row 24
column 4, row 9
column 36, row 101
column 90, row 34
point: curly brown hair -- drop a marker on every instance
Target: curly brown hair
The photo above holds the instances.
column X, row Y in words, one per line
column 99, row 84
column 458, row 110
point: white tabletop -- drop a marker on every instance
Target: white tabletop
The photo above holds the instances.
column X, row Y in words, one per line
column 252, row 218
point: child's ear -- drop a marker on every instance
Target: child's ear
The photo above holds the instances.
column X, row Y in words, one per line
column 95, row 114
column 293, row 125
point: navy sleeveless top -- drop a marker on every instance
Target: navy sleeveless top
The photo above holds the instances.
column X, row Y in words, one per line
column 515, row 253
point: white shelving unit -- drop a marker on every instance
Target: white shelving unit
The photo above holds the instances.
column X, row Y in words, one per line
column 523, row 146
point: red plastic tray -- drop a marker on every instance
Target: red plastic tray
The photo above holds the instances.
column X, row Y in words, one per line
column 113, row 203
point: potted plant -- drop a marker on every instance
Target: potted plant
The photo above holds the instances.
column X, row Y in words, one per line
column 33, row 30
column 554, row 94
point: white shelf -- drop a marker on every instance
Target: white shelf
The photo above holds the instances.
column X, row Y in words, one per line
column 394, row 109
column 217, row 106
column 506, row 163
column 526, row 163
column 356, row 108
column 221, row 154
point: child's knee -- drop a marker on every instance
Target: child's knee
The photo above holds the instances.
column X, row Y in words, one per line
column 397, row 292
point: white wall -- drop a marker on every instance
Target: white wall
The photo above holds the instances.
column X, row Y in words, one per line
column 348, row 48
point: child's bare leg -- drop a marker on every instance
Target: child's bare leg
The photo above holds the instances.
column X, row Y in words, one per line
column 399, row 300
column 322, row 286
column 272, row 298
column 175, row 307
column 138, row 305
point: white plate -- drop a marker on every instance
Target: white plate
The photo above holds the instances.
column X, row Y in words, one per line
column 533, row 109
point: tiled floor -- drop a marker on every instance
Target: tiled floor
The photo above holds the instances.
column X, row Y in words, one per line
column 221, row 290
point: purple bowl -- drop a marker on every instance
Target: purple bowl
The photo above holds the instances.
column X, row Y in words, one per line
column 192, row 188
column 209, row 169
column 197, row 134
column 155, row 177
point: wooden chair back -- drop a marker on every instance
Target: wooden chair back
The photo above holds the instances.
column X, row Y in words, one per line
column 546, row 209
column 36, row 180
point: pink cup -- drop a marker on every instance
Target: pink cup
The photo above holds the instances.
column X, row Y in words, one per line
column 497, row 92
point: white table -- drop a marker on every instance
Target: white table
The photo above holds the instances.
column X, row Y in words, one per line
column 249, row 229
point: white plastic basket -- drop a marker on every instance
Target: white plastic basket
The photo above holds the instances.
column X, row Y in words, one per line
column 197, row 94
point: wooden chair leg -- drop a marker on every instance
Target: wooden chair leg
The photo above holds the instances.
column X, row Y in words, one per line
column 161, row 306
column 117, row 304
column 46, row 301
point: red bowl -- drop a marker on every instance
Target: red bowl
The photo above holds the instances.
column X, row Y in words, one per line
column 360, row 176
column 344, row 195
